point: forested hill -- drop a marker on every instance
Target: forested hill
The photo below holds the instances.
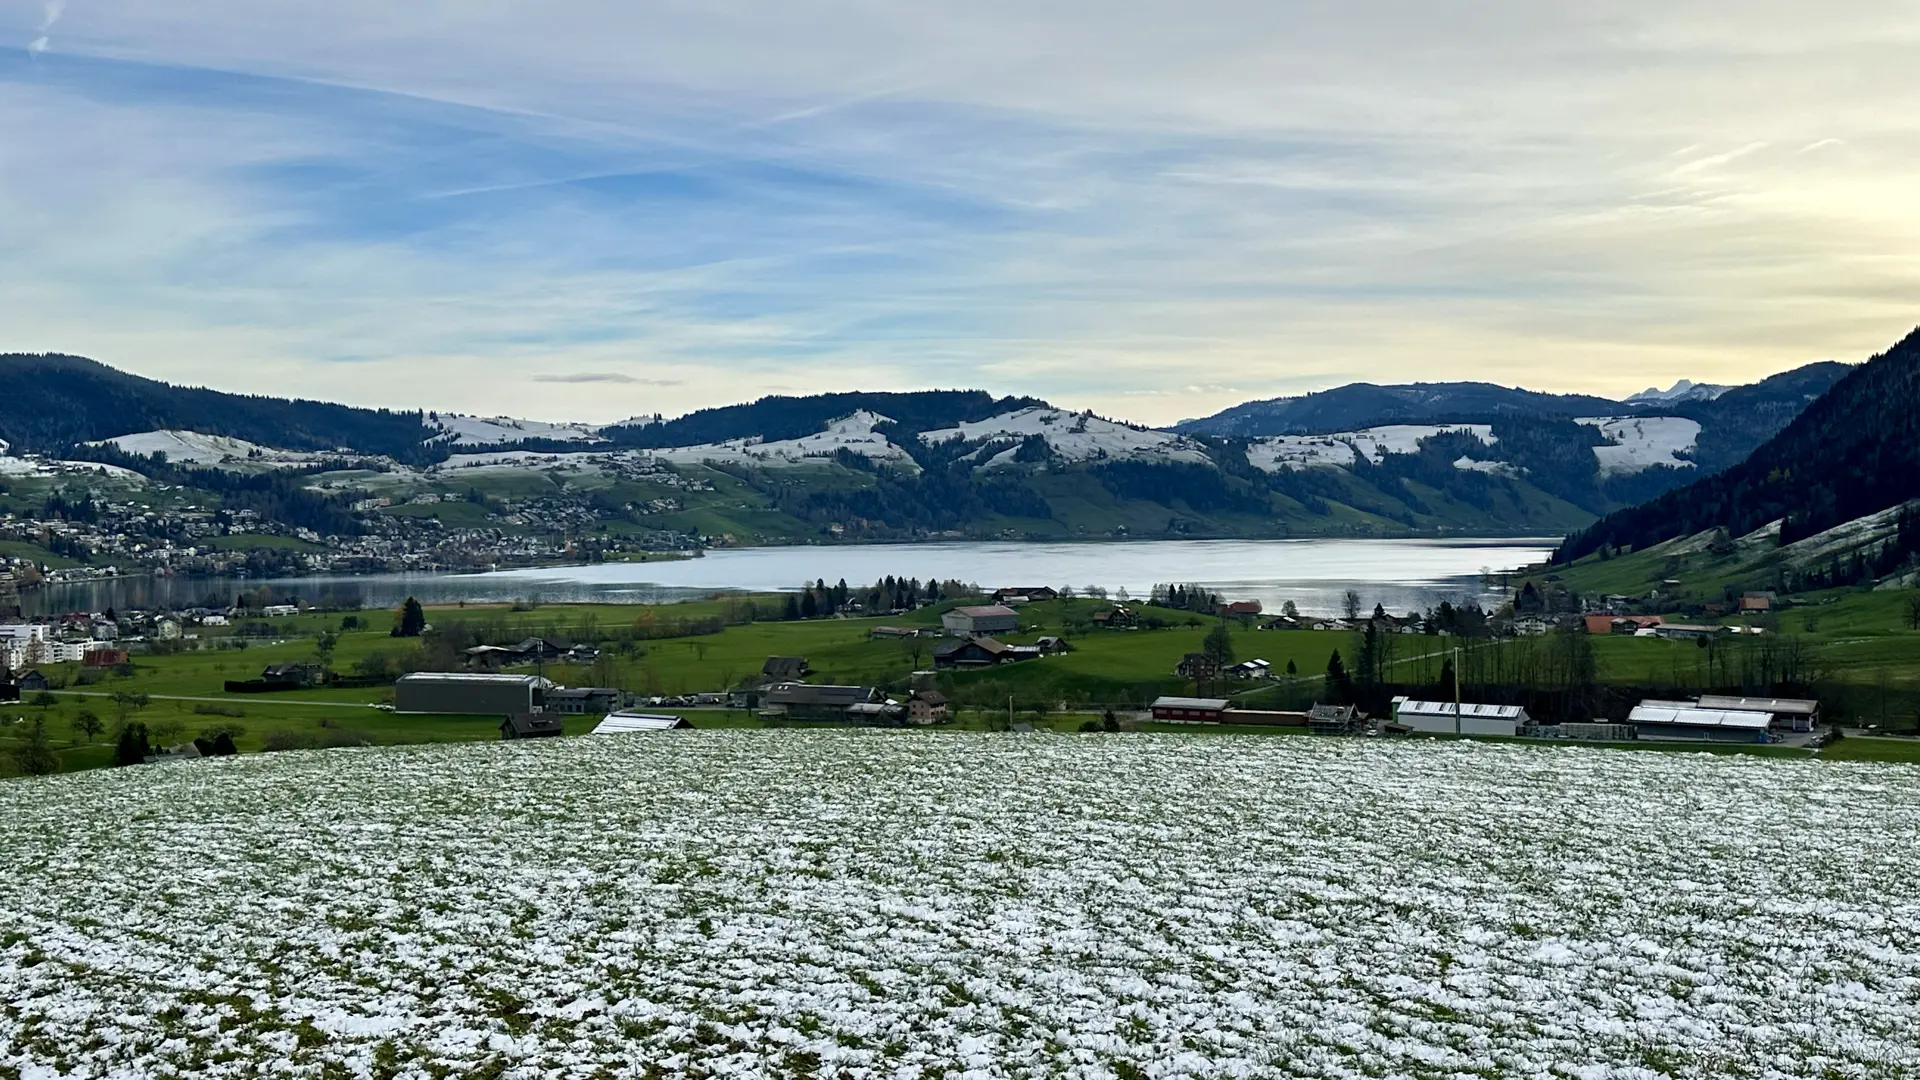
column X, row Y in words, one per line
column 52, row 402
column 776, row 418
column 1855, row 451
column 1362, row 405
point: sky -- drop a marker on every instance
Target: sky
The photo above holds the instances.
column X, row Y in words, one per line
column 594, row 209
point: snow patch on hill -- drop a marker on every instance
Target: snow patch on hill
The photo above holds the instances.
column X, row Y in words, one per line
column 853, row 433
column 459, row 430
column 1644, row 441
column 198, row 448
column 1075, row 437
column 1338, row 450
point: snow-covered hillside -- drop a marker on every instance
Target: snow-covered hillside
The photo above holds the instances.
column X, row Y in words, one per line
column 854, row 433
column 1337, row 450
column 1645, row 441
column 1074, row 437
column 197, row 448
column 460, row 430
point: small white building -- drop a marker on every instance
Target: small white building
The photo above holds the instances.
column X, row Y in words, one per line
column 1467, row 718
column 275, row 611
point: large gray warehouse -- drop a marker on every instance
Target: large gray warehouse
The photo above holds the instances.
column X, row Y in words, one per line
column 469, row 694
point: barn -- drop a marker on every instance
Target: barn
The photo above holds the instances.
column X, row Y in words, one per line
column 1438, row 717
column 1682, row 722
column 469, row 694
column 1192, row 709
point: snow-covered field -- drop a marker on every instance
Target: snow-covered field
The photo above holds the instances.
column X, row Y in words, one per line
column 1075, row 437
column 493, row 430
column 1644, row 441
column 1337, row 450
column 853, row 432
column 878, row 904
column 198, row 448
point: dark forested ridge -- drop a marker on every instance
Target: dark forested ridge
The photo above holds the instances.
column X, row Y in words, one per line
column 53, row 401
column 1855, row 451
column 778, row 418
column 1361, row 405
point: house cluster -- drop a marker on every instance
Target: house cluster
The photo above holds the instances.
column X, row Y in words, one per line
column 1200, row 667
column 784, row 697
column 533, row 650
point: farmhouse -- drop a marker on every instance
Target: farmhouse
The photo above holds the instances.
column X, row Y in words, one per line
column 1206, row 710
column 779, row 669
column 1197, row 666
column 1250, row 669
column 531, row 726
column 1117, row 617
column 973, row 652
column 927, row 707
column 1439, row 717
column 31, row 682
column 799, row 701
column 1685, row 722
column 1791, row 714
column 992, row 619
column 621, row 723
column 583, row 701
column 469, row 694
column 1243, row 607
column 1335, row 720
column 294, row 674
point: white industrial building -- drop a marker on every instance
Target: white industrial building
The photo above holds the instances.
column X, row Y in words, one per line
column 1467, row 718
column 620, row 723
column 1685, row 721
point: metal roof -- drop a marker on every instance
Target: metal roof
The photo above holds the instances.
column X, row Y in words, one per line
column 1656, row 715
column 1777, row 706
column 1468, row 708
column 473, row 677
column 1190, row 703
column 617, row 723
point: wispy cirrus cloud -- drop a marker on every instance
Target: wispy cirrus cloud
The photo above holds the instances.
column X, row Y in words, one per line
column 1152, row 216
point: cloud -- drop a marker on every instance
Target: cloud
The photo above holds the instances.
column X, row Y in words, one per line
column 1151, row 216
column 604, row 377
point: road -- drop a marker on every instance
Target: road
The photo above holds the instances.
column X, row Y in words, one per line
column 229, row 700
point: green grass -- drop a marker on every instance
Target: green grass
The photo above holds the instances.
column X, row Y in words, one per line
column 20, row 549
column 1864, row 748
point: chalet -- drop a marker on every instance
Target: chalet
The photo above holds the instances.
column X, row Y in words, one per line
column 1190, row 709
column 779, row 669
column 1197, row 666
column 972, row 652
column 1050, row 646
column 539, row 648
column 1335, row 720
column 1249, row 669
column 969, row 621
column 799, row 701
column 584, row 701
column 540, row 725
column 1116, row 618
column 31, row 682
column 1029, row 595
column 1756, row 604
column 927, row 707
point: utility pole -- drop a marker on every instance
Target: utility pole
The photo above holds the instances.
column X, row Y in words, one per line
column 1009, row 712
column 1456, row 690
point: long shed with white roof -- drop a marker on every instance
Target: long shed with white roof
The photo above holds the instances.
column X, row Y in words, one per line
column 1678, row 721
column 1466, row 718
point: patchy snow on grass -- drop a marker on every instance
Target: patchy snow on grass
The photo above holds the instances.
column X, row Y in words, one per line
column 1337, row 450
column 461, row 430
column 1645, row 441
column 1076, row 436
column 878, row 905
column 198, row 448
column 853, row 433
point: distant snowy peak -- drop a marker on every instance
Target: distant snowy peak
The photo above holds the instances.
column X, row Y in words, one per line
column 458, row 430
column 1073, row 437
column 1684, row 390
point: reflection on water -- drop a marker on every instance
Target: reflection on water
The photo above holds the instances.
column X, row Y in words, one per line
column 1402, row 574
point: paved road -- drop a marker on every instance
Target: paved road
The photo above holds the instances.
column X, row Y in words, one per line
column 227, row 700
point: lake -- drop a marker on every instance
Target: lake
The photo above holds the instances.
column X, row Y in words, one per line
column 1402, row 574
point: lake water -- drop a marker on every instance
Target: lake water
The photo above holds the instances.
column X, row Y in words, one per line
column 1402, row 574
